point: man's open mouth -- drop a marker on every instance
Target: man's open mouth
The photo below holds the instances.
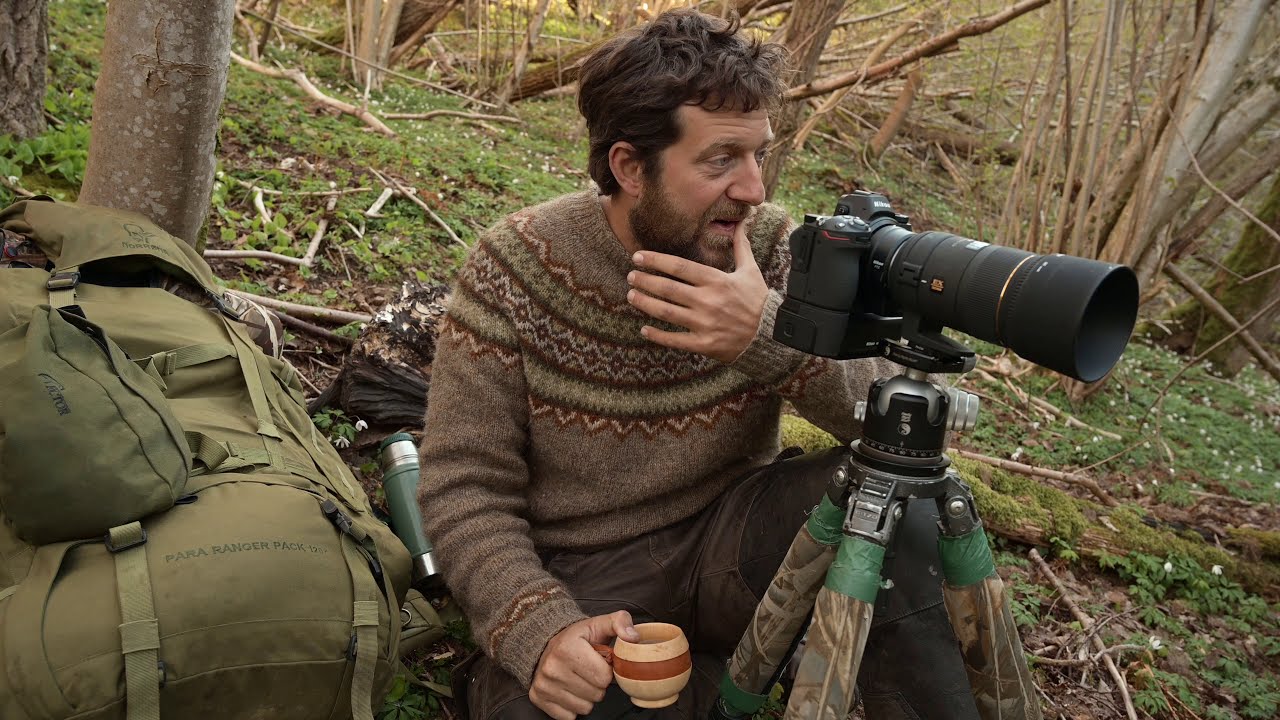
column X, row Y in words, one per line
column 725, row 226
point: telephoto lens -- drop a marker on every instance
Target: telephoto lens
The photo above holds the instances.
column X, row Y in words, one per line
column 399, row 458
column 1066, row 313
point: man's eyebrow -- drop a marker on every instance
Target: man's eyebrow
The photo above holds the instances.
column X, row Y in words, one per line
column 720, row 146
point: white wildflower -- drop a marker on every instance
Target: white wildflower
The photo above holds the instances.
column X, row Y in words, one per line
column 1155, row 642
column 341, row 442
column 361, row 425
column 1216, row 569
column 1168, row 566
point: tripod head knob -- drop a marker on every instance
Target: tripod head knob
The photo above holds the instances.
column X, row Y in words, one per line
column 962, row 411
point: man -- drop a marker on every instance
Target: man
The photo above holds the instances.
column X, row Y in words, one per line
column 604, row 407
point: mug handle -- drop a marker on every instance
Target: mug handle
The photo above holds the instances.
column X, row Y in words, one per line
column 605, row 651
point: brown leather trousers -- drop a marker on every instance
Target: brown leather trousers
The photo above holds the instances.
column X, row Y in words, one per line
column 707, row 573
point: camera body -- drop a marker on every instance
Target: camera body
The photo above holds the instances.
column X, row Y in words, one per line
column 862, row 283
column 834, row 307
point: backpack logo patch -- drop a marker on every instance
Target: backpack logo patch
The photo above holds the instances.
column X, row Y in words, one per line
column 140, row 239
column 54, row 389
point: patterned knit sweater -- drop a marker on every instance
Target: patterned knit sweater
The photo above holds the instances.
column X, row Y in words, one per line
column 552, row 423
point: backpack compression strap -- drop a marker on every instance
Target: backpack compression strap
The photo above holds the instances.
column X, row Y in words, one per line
column 62, row 287
column 139, row 631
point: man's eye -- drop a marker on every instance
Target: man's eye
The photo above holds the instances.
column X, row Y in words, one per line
column 762, row 155
column 720, row 161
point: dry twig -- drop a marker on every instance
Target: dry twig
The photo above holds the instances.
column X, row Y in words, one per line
column 297, row 193
column 300, row 78
column 321, row 226
column 310, row 329
column 1024, row 469
column 412, row 194
column 1086, row 622
column 315, row 313
column 453, row 113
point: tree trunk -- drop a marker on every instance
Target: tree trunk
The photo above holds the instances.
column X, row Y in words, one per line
column 808, row 28
column 23, row 44
column 155, row 110
column 889, row 128
column 549, row 76
column 1256, row 251
column 521, row 60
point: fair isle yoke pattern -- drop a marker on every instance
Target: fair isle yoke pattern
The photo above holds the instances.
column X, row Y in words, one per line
column 585, row 362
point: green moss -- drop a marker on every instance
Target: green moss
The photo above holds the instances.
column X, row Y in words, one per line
column 798, row 432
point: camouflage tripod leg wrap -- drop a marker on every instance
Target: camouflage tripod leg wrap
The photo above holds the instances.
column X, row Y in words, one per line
column 826, row 683
column 781, row 615
column 983, row 623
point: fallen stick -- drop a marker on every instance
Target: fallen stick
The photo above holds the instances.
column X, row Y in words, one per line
column 1268, row 363
column 453, row 113
column 1076, row 662
column 300, row 78
column 1086, row 622
column 310, row 329
column 376, row 207
column 18, row 190
column 1022, row 469
column 315, row 313
column 300, row 193
column 412, row 194
column 323, row 225
column 255, row 254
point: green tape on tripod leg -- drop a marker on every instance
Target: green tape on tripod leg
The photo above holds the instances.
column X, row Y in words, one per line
column 827, row 522
column 739, row 702
column 856, row 570
column 965, row 559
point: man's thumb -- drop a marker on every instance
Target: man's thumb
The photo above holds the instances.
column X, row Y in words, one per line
column 617, row 624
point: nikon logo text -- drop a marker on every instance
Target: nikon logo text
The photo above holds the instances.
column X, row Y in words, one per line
column 54, row 389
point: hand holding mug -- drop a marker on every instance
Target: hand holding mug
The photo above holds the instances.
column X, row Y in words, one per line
column 654, row 669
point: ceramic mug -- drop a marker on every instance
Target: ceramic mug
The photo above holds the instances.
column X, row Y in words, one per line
column 654, row 670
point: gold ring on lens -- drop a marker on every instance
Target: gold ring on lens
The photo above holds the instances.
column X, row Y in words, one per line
column 1003, row 290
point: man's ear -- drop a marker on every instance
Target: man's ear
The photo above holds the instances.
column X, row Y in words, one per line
column 627, row 167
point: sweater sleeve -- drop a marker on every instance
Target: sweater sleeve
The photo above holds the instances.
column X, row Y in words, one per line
column 823, row 391
column 474, row 475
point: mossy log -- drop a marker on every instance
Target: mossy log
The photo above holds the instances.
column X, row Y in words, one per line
column 1031, row 511
column 549, row 76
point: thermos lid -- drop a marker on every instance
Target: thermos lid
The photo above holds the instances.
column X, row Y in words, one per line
column 398, row 448
column 398, row 437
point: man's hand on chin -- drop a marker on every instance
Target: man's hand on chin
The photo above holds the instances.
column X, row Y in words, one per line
column 721, row 310
column 571, row 676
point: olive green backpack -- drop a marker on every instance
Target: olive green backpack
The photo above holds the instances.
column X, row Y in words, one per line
column 176, row 539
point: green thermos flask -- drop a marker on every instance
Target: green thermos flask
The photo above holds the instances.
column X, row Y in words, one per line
column 400, row 485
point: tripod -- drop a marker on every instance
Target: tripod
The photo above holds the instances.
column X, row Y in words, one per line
column 833, row 567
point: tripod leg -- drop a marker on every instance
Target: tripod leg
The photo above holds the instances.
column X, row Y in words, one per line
column 980, row 616
column 779, row 619
column 825, row 685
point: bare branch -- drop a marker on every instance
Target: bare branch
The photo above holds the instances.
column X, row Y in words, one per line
column 932, row 46
column 316, row 313
column 1023, row 469
column 1264, row 358
column 311, row 90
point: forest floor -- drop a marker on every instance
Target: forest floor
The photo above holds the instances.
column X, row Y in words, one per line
column 1178, row 446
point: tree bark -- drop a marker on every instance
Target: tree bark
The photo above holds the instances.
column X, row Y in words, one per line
column 521, row 60
column 806, row 33
column 24, row 42
column 552, row 75
column 1256, row 251
column 155, row 110
column 901, row 108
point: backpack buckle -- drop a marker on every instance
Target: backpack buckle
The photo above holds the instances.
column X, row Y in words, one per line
column 112, row 547
column 63, row 280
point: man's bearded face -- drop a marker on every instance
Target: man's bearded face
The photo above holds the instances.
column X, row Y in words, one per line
column 659, row 223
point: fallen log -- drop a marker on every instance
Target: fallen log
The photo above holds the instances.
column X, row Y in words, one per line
column 385, row 376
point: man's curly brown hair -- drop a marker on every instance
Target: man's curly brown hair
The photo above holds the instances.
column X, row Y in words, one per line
column 631, row 87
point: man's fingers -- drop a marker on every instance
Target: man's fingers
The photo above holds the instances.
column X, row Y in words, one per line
column 674, row 340
column 742, row 256
column 559, row 705
column 675, row 266
column 660, row 309
column 663, row 287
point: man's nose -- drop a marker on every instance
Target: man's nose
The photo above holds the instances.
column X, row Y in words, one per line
column 748, row 186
